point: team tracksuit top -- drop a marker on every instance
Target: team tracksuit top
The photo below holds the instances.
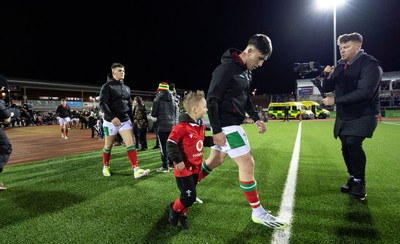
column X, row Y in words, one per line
column 228, row 97
column 115, row 100
column 63, row 112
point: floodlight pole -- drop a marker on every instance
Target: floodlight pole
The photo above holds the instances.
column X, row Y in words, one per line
column 334, row 36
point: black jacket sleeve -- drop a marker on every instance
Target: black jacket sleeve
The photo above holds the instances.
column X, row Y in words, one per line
column 173, row 152
column 208, row 141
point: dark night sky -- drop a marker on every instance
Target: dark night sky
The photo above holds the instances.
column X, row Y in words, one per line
column 182, row 41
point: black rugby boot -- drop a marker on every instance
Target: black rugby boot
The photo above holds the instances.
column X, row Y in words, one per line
column 173, row 216
column 346, row 187
column 357, row 191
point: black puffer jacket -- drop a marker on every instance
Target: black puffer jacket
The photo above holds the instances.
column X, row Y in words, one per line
column 164, row 111
column 228, row 97
column 115, row 100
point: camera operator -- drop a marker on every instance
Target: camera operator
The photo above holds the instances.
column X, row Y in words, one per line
column 5, row 145
column 355, row 83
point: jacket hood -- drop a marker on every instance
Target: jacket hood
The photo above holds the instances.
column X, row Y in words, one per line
column 110, row 78
column 165, row 95
column 229, row 56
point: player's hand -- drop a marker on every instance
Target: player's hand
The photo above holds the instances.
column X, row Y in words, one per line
column 116, row 122
column 219, row 139
column 180, row 166
column 261, row 127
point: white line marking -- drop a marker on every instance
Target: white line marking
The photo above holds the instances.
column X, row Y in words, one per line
column 391, row 123
column 286, row 210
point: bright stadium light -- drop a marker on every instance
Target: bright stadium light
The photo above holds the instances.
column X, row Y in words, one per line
column 323, row 4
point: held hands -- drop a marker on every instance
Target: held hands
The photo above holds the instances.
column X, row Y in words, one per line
column 219, row 139
column 261, row 127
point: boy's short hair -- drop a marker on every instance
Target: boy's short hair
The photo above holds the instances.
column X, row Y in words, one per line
column 191, row 99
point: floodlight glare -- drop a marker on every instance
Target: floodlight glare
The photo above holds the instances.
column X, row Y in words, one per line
column 325, row 4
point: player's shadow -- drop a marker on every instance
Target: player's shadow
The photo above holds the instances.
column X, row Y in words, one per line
column 251, row 231
column 31, row 204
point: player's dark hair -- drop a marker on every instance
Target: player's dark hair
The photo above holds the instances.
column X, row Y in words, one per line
column 116, row 65
column 262, row 43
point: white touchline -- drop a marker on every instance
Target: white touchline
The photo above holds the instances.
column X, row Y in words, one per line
column 390, row 123
column 286, row 210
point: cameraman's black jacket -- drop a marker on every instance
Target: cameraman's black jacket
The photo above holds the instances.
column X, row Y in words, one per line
column 228, row 97
column 356, row 87
column 115, row 100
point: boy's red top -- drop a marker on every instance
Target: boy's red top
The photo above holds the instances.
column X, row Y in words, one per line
column 189, row 137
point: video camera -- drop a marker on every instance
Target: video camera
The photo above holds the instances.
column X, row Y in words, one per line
column 312, row 67
column 306, row 68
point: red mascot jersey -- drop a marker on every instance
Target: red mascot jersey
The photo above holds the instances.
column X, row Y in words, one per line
column 189, row 137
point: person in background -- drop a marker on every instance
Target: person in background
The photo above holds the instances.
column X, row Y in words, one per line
column 116, row 105
column 100, row 124
column 355, row 82
column 157, row 146
column 63, row 113
column 5, row 145
column 135, row 128
column 286, row 118
column 163, row 114
column 84, row 119
column 175, row 98
column 228, row 101
column 140, row 119
column 92, row 122
column 118, row 141
column 185, row 149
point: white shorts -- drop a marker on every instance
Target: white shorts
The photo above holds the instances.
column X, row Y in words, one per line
column 64, row 121
column 236, row 144
column 111, row 130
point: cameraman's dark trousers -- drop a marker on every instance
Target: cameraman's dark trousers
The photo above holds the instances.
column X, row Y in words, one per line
column 5, row 149
column 354, row 156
